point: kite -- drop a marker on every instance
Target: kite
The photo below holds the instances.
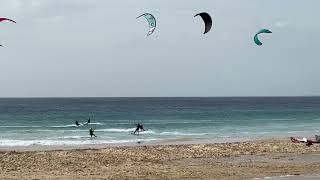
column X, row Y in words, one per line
column 256, row 39
column 151, row 20
column 6, row 19
column 207, row 21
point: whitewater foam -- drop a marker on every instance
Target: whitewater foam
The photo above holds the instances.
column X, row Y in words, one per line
column 117, row 130
column 73, row 125
column 176, row 133
column 89, row 141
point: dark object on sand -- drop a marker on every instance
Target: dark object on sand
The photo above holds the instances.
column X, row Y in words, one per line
column 308, row 142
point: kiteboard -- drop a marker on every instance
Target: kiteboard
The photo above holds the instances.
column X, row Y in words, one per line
column 138, row 132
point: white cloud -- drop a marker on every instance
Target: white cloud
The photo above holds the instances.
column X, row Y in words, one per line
column 282, row 24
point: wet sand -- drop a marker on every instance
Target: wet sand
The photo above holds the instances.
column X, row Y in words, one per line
column 245, row 160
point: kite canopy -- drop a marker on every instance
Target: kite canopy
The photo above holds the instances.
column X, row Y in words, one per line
column 207, row 21
column 256, row 39
column 151, row 20
column 6, row 19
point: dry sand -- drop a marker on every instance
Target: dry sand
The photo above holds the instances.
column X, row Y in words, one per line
column 245, row 160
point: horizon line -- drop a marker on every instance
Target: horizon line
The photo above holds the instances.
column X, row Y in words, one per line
column 75, row 97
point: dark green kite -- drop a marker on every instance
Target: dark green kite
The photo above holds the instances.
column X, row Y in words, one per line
column 256, row 39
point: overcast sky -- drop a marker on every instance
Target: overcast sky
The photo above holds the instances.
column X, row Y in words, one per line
column 62, row 48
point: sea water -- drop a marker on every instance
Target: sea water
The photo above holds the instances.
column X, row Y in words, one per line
column 51, row 121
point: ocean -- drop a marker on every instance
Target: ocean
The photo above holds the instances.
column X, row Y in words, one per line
column 50, row 121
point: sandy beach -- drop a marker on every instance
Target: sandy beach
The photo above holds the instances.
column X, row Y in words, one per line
column 245, row 160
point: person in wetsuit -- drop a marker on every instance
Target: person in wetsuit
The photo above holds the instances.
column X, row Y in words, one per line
column 141, row 127
column 91, row 132
column 138, row 128
column 77, row 123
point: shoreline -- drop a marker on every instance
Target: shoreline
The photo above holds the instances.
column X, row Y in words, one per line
column 175, row 141
column 272, row 158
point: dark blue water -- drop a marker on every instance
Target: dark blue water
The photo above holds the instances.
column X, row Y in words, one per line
column 50, row 121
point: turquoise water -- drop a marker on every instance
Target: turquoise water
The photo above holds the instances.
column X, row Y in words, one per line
column 50, row 121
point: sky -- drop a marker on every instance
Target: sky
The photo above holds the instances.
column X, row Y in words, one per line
column 95, row 48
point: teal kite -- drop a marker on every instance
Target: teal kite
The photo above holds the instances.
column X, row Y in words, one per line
column 256, row 39
column 151, row 20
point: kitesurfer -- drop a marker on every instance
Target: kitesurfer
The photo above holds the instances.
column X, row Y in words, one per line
column 77, row 123
column 139, row 128
column 91, row 132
